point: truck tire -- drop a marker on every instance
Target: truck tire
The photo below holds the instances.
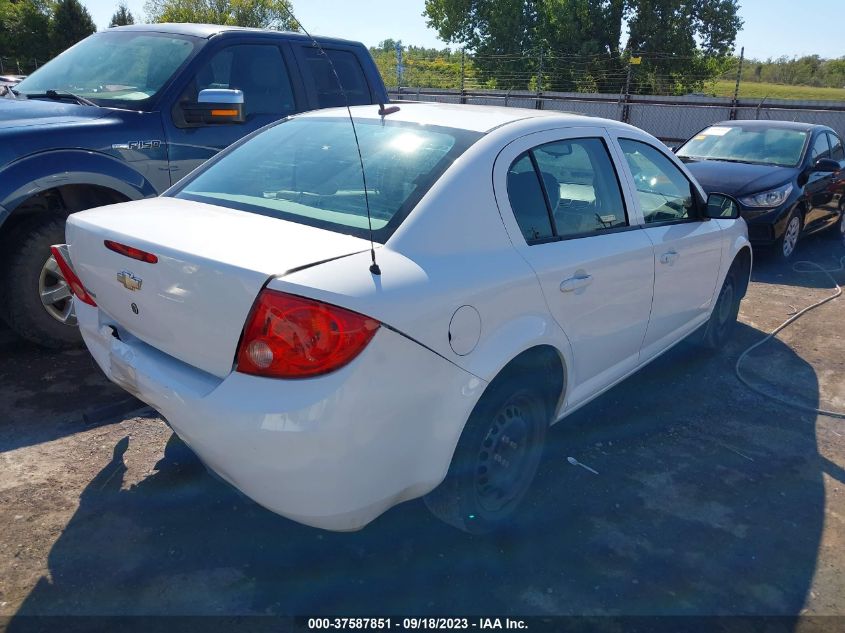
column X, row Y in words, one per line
column 26, row 274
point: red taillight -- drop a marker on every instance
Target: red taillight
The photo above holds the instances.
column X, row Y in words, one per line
column 71, row 278
column 293, row 337
column 131, row 251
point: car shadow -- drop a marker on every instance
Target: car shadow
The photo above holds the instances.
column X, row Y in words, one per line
column 702, row 498
column 825, row 249
column 48, row 394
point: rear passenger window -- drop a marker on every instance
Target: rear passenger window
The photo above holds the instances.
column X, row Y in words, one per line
column 348, row 68
column 526, row 198
column 565, row 189
column 582, row 187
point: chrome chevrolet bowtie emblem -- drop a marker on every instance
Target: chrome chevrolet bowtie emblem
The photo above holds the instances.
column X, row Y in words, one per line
column 129, row 281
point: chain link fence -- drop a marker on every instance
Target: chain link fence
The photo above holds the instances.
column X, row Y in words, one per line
column 16, row 66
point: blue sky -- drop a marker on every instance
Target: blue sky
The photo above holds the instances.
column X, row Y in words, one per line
column 772, row 27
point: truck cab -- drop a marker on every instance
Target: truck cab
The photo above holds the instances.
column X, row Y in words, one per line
column 128, row 112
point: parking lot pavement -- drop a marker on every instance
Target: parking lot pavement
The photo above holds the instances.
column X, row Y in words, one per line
column 708, row 499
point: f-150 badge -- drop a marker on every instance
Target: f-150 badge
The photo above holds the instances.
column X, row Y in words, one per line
column 129, row 281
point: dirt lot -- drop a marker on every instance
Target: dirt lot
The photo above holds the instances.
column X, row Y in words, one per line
column 709, row 499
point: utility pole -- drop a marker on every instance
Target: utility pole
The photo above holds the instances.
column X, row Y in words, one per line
column 736, row 88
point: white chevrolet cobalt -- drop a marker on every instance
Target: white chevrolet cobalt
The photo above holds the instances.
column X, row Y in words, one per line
column 526, row 262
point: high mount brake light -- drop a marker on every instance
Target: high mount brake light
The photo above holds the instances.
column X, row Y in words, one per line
column 71, row 278
column 292, row 337
column 131, row 251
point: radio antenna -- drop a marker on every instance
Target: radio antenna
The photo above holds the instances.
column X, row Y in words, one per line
column 374, row 268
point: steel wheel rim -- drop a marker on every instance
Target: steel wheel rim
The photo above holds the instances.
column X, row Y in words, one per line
column 725, row 305
column 504, row 458
column 55, row 293
column 790, row 238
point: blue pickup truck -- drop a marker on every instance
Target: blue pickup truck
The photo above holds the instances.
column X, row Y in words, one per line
column 125, row 114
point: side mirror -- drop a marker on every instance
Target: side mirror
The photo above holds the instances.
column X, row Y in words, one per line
column 826, row 165
column 216, row 105
column 722, row 207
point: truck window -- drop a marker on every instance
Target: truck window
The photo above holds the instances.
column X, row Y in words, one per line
column 256, row 69
column 349, row 70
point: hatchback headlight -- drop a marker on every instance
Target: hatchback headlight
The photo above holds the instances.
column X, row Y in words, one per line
column 771, row 198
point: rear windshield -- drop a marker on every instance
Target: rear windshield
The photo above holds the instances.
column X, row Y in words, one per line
column 307, row 170
column 757, row 145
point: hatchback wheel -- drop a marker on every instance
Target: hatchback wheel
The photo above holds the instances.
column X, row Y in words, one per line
column 789, row 241
column 495, row 460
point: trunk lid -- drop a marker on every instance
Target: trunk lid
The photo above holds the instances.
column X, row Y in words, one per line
column 212, row 262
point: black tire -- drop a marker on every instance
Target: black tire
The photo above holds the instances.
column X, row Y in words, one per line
column 837, row 232
column 25, row 251
column 720, row 326
column 785, row 247
column 496, row 458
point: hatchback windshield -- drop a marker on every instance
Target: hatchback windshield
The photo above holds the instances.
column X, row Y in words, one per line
column 307, row 170
column 118, row 68
column 760, row 145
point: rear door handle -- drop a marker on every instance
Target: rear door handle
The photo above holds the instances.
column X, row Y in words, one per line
column 669, row 257
column 580, row 280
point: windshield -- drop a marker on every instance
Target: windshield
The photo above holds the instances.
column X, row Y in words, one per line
column 306, row 170
column 760, row 145
column 117, row 68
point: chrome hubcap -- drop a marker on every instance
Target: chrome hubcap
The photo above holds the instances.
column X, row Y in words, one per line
column 55, row 293
column 790, row 239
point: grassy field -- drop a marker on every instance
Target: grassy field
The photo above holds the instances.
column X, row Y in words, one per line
column 751, row 90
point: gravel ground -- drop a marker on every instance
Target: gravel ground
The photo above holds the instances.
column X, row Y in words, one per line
column 709, row 499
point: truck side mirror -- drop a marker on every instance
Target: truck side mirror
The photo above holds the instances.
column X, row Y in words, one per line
column 722, row 207
column 216, row 105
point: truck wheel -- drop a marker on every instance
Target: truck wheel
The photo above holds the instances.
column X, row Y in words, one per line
column 36, row 301
column 495, row 460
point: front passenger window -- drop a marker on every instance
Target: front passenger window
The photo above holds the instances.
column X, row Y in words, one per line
column 664, row 192
column 258, row 70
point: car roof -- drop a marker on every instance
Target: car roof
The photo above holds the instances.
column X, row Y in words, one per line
column 210, row 30
column 475, row 118
column 774, row 124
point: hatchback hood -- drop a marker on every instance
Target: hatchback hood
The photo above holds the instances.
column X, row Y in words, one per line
column 17, row 113
column 212, row 263
column 739, row 179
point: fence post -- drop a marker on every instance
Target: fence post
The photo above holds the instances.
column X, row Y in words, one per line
column 626, row 99
column 539, row 102
column 463, row 75
column 736, row 88
column 2, row 70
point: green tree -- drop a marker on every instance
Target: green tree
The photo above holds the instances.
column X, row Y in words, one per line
column 576, row 44
column 122, row 16
column 267, row 14
column 24, row 33
column 71, row 23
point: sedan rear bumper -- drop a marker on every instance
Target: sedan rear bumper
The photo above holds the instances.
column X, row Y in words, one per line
column 334, row 451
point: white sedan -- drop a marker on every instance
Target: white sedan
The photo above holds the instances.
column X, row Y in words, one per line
column 526, row 262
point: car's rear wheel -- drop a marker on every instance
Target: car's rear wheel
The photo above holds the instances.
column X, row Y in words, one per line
column 788, row 242
column 723, row 318
column 35, row 300
column 496, row 458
